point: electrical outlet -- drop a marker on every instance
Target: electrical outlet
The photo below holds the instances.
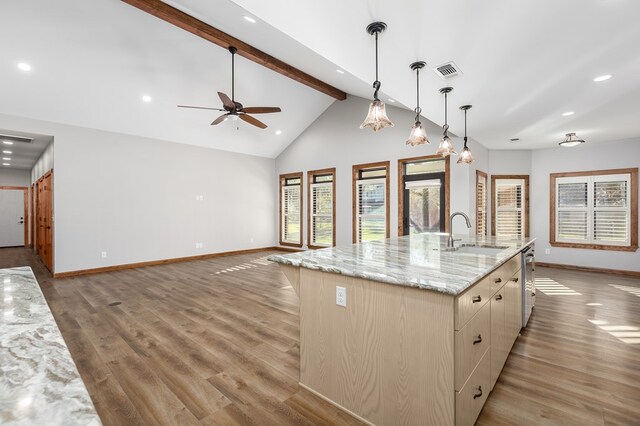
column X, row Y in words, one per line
column 199, row 197
column 341, row 296
column 199, row 245
column 251, row 240
column 547, row 251
column 103, row 254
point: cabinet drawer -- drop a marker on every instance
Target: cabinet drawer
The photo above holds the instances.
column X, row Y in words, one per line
column 470, row 302
column 471, row 343
column 501, row 275
column 471, row 399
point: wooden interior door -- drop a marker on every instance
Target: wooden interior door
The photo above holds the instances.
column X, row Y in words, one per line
column 47, row 211
column 32, row 216
column 39, row 218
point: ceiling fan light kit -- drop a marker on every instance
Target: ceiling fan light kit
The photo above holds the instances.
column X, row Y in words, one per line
column 418, row 135
column 377, row 116
column 235, row 110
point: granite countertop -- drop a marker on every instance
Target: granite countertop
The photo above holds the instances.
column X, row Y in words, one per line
column 39, row 383
column 414, row 260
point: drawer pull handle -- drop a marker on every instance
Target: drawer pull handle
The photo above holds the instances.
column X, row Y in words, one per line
column 499, row 297
column 515, row 280
column 478, row 339
column 476, row 299
column 479, row 393
column 497, row 280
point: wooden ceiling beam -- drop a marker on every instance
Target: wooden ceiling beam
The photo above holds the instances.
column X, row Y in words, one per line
column 188, row 23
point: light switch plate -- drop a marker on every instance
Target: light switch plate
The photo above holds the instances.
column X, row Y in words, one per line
column 341, row 296
column 547, row 251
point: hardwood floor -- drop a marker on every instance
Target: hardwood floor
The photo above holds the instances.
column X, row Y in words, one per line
column 216, row 342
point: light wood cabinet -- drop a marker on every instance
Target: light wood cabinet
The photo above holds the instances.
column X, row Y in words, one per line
column 498, row 333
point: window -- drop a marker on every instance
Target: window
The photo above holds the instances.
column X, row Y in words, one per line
column 423, row 194
column 596, row 210
column 481, row 203
column 370, row 201
column 510, row 206
column 321, row 219
column 291, row 209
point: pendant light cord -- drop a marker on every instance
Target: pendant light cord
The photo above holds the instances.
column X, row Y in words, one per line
column 465, row 128
column 418, row 110
column 376, row 84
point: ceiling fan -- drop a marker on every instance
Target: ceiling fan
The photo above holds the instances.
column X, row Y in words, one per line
column 235, row 110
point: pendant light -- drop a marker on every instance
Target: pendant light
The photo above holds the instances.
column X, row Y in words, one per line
column 465, row 155
column 571, row 140
column 418, row 136
column 446, row 145
column 377, row 117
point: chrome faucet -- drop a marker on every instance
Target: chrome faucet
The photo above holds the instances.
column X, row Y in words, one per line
column 450, row 241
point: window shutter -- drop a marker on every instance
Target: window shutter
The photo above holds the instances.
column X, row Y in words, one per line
column 611, row 213
column 371, row 209
column 481, row 205
column 322, row 214
column 291, row 214
column 509, row 208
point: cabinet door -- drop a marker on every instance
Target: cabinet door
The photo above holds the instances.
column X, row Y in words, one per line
column 498, row 330
column 512, row 311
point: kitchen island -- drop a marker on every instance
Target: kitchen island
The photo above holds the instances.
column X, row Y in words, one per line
column 39, row 382
column 404, row 330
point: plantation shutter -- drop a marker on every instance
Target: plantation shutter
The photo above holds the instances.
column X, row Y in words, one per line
column 509, row 208
column 291, row 214
column 593, row 209
column 481, row 205
column 322, row 214
column 371, row 209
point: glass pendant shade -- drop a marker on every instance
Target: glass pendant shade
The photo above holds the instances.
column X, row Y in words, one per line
column 377, row 117
column 465, row 156
column 418, row 135
column 571, row 140
column 446, row 147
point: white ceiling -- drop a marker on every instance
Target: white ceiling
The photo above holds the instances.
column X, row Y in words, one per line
column 23, row 155
column 524, row 64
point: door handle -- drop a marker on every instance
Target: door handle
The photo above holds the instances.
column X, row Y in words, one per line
column 478, row 394
column 476, row 299
column 515, row 280
column 21, row 221
column 499, row 297
column 497, row 280
column 477, row 339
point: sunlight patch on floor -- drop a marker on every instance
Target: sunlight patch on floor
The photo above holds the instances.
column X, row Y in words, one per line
column 626, row 333
column 262, row 261
column 554, row 288
column 631, row 290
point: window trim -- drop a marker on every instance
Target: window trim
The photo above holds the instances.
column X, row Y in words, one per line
column 310, row 177
column 527, row 222
column 633, row 172
column 480, row 174
column 282, row 179
column 447, row 185
column 354, row 194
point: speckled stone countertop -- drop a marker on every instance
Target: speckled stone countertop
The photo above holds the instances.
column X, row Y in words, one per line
column 39, row 383
column 414, row 260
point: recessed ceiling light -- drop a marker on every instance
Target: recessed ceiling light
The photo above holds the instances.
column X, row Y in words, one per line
column 393, row 101
column 7, row 142
column 6, row 158
column 23, row 66
column 603, row 78
column 6, row 164
column 568, row 113
column 278, row 132
column 249, row 19
column 146, row 98
column 339, row 71
column 7, row 152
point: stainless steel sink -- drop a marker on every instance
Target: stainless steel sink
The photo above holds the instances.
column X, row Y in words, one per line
column 486, row 250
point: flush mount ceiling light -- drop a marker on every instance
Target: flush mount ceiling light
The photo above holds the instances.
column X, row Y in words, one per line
column 146, row 98
column 23, row 66
column 465, row 155
column 377, row 117
column 602, row 78
column 571, row 140
column 278, row 132
column 446, row 146
column 418, row 136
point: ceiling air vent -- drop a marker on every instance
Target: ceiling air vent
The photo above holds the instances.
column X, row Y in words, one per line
column 18, row 139
column 447, row 71
column 514, row 139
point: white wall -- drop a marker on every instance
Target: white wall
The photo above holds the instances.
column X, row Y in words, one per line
column 13, row 177
column 610, row 155
column 335, row 140
column 135, row 198
column 43, row 164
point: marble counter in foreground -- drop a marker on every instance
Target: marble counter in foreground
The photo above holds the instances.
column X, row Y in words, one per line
column 414, row 260
column 39, row 382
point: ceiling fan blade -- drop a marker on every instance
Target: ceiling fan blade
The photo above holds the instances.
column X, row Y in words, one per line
column 251, row 120
column 260, row 110
column 219, row 119
column 199, row 107
column 226, row 101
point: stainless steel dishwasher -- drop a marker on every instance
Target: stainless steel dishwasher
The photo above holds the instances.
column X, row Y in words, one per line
column 528, row 282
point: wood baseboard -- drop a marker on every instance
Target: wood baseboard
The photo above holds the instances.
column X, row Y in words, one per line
column 288, row 249
column 164, row 262
column 589, row 269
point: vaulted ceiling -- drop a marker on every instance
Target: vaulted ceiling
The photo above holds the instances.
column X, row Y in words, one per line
column 524, row 64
